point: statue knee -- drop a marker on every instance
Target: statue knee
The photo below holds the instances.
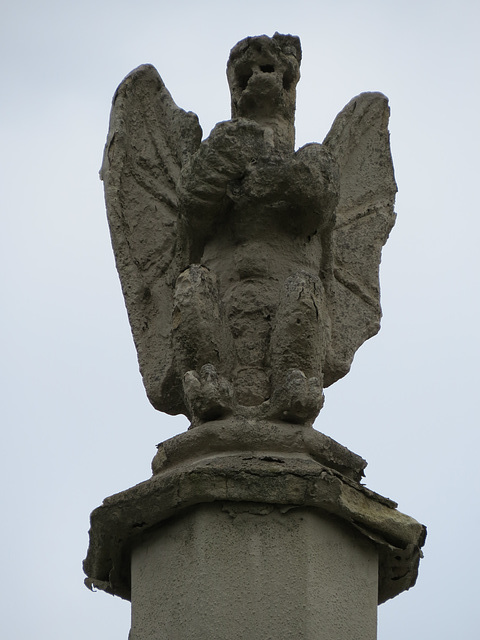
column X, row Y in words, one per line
column 303, row 292
column 195, row 280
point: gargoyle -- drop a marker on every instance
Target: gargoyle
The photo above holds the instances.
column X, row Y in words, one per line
column 249, row 269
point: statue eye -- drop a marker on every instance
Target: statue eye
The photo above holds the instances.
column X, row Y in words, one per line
column 287, row 80
column 243, row 77
column 267, row 68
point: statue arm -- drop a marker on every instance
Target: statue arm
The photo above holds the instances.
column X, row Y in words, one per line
column 211, row 172
column 315, row 179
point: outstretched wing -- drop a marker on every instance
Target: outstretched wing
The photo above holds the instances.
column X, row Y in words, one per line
column 148, row 142
column 359, row 142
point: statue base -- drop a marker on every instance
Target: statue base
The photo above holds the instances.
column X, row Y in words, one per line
column 250, row 530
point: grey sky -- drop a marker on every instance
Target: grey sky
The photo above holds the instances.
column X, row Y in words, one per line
column 77, row 424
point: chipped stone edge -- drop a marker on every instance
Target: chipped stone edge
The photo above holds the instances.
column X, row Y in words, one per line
column 270, row 479
column 239, row 435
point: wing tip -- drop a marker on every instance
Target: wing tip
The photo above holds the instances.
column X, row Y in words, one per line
column 141, row 73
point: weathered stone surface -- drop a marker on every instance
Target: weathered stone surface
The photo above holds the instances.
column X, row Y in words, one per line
column 250, row 271
column 267, row 572
column 250, row 275
column 289, row 476
column 244, row 436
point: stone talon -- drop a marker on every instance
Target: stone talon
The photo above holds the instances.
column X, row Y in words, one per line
column 208, row 395
column 298, row 399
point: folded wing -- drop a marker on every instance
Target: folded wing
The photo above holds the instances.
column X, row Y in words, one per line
column 149, row 140
column 359, row 142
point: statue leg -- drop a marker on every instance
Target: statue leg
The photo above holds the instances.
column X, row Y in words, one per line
column 199, row 339
column 298, row 350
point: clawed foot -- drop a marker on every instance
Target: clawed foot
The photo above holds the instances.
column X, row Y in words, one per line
column 208, row 395
column 298, row 400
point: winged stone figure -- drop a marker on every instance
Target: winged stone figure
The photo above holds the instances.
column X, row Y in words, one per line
column 249, row 269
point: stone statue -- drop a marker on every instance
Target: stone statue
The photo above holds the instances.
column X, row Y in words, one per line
column 249, row 270
column 250, row 274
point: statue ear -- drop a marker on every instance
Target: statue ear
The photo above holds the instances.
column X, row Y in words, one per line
column 290, row 45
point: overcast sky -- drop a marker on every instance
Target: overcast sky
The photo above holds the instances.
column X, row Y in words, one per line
column 77, row 426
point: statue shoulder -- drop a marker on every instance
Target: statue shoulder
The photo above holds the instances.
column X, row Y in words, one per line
column 318, row 173
column 318, row 156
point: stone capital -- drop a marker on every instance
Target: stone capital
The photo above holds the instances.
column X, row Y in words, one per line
column 269, row 464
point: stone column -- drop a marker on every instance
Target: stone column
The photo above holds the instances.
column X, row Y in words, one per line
column 253, row 531
column 249, row 570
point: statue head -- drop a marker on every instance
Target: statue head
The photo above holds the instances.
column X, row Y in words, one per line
column 262, row 75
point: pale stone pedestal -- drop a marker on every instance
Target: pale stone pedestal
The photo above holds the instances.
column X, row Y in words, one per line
column 246, row 572
column 253, row 531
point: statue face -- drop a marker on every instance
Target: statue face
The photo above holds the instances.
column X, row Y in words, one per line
column 262, row 75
